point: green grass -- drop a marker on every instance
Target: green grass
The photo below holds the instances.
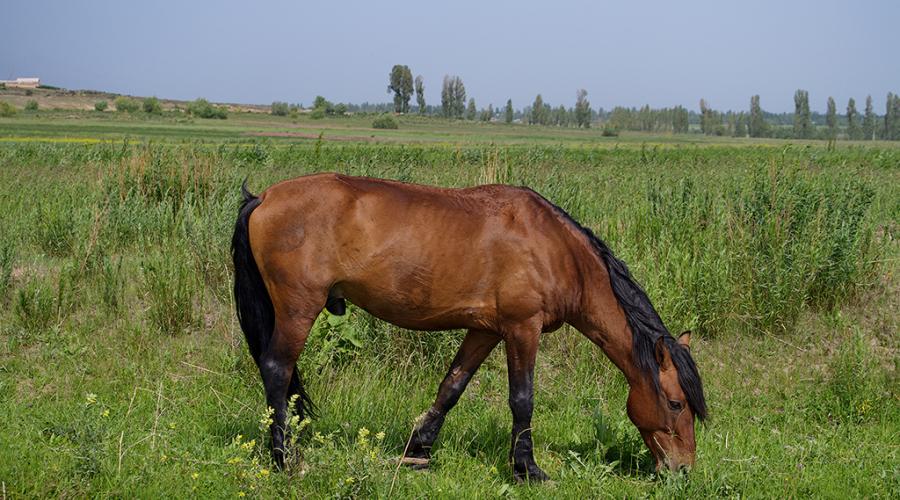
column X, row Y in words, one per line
column 123, row 371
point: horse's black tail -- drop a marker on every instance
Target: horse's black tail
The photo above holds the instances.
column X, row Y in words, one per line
column 255, row 312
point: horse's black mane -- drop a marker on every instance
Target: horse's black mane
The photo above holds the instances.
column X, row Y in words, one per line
column 646, row 325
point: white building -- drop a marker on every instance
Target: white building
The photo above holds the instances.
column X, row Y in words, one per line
column 25, row 83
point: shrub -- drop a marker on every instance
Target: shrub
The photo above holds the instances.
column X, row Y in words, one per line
column 31, row 105
column 610, row 131
column 126, row 104
column 201, row 108
column 100, row 105
column 385, row 121
column 317, row 114
column 280, row 108
column 7, row 109
column 29, row 92
column 151, row 105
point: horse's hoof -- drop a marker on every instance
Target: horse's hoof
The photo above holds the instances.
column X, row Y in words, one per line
column 415, row 463
column 532, row 474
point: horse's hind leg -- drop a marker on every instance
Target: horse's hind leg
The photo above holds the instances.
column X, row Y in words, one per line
column 474, row 349
column 278, row 369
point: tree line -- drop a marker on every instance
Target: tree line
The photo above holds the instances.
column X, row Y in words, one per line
column 754, row 122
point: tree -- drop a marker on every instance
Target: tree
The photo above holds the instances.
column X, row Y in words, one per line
column 895, row 118
column 202, row 108
column 420, row 94
column 853, row 132
column 471, row 111
column 831, row 118
column 680, row 120
column 710, row 121
column 582, row 109
column 802, row 124
column 757, row 124
column 487, row 114
column 401, row 84
column 279, row 108
column 151, row 106
column 868, row 127
column 892, row 118
column 537, row 110
column 322, row 106
column 509, row 114
column 453, row 97
column 740, row 125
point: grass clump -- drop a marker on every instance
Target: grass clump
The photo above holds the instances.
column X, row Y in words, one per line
column 171, row 289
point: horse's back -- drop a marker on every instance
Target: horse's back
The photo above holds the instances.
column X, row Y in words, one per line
column 419, row 256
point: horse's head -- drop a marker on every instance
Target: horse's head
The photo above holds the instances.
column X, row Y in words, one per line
column 664, row 412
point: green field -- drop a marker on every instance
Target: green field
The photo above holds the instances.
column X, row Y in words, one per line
column 123, row 371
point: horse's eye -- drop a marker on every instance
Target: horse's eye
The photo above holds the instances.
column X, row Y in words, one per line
column 675, row 405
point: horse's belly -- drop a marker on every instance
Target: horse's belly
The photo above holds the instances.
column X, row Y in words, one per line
column 407, row 310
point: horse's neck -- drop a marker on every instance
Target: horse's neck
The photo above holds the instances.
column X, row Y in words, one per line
column 603, row 321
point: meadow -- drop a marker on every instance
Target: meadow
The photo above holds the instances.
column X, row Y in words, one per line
column 123, row 371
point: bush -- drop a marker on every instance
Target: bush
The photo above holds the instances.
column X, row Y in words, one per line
column 610, row 131
column 280, row 108
column 317, row 114
column 7, row 109
column 100, row 105
column 385, row 121
column 31, row 105
column 126, row 104
column 151, row 105
column 201, row 108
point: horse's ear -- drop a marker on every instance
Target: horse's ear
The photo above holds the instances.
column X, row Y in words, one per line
column 662, row 354
column 685, row 339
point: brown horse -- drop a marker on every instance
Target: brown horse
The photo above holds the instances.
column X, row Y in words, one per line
column 500, row 261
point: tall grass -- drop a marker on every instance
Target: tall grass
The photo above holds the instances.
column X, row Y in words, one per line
column 112, row 252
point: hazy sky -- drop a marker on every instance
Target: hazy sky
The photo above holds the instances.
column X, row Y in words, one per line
column 629, row 53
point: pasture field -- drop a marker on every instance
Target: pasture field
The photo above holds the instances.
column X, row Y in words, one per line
column 123, row 371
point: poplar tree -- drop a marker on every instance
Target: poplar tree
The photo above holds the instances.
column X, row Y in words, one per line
column 868, row 126
column 537, row 110
column 401, row 84
column 453, row 97
column 420, row 94
column 802, row 124
column 582, row 109
column 831, row 118
column 757, row 125
column 852, row 119
column 509, row 111
column 471, row 111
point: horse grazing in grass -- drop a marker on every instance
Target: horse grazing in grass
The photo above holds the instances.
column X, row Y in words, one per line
column 500, row 261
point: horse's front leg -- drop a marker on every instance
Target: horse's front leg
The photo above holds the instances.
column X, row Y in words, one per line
column 473, row 351
column 521, row 351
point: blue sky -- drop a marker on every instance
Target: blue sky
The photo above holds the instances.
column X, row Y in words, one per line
column 660, row 53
